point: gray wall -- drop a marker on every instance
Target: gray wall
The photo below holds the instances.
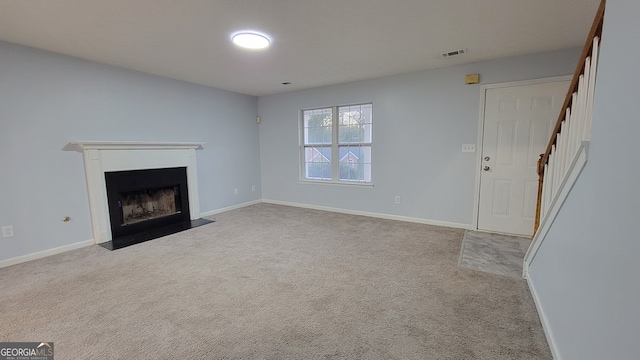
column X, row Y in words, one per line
column 420, row 120
column 587, row 273
column 48, row 100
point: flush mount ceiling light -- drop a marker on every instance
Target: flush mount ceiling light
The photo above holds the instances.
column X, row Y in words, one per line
column 250, row 40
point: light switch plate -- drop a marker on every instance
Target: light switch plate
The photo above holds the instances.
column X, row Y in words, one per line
column 468, row 147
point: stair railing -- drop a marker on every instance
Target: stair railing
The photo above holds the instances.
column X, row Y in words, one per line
column 572, row 131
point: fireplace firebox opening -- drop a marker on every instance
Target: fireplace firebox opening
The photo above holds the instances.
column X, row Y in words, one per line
column 146, row 204
column 149, row 204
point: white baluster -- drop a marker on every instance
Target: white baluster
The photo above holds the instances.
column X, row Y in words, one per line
column 591, row 91
column 571, row 118
column 558, row 172
column 552, row 167
column 565, row 148
column 575, row 116
column 545, row 197
column 583, row 101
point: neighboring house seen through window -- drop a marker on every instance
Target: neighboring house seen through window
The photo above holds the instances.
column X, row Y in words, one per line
column 336, row 144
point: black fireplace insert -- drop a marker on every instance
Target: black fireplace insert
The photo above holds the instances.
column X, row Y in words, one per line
column 147, row 204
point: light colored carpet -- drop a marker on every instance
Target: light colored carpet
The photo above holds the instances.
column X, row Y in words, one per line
column 273, row 282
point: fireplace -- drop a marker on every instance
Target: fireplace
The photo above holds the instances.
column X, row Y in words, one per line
column 143, row 203
column 147, row 205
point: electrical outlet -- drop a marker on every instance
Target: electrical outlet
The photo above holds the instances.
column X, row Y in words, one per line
column 235, row 191
column 468, row 147
column 7, row 231
column 397, row 199
column 253, row 188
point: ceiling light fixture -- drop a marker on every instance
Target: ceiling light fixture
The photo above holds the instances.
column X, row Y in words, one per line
column 250, row 40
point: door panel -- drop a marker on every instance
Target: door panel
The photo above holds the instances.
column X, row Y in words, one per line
column 539, row 132
column 517, row 125
column 501, row 201
column 505, row 149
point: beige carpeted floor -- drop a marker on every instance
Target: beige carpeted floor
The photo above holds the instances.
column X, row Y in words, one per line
column 273, row 282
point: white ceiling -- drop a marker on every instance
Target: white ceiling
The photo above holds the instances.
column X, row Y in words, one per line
column 314, row 42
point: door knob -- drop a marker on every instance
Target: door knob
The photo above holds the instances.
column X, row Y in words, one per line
column 486, row 168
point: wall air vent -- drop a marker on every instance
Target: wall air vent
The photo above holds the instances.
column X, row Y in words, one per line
column 454, row 53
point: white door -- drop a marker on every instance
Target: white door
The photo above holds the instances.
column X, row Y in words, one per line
column 518, row 122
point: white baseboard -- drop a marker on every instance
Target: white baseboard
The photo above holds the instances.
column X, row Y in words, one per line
column 45, row 253
column 229, row 208
column 548, row 333
column 372, row 214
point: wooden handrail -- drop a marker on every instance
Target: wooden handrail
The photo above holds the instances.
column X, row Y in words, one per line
column 596, row 31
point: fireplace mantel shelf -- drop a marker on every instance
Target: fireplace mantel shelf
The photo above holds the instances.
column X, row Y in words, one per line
column 132, row 145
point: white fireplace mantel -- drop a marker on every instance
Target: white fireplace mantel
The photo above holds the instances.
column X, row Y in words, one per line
column 105, row 156
column 134, row 145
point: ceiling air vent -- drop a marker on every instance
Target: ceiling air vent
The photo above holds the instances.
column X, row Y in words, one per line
column 454, row 53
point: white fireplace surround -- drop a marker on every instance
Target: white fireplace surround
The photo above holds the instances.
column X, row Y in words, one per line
column 106, row 156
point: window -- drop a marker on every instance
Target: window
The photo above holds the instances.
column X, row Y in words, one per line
column 336, row 144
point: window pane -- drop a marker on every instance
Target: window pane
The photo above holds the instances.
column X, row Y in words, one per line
column 354, row 124
column 317, row 163
column 317, row 126
column 353, row 127
column 355, row 163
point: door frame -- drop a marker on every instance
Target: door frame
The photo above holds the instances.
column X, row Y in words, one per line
column 479, row 147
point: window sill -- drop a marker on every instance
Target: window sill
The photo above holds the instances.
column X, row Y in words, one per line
column 334, row 183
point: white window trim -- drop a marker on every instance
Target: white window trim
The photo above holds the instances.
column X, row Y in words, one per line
column 332, row 183
column 335, row 151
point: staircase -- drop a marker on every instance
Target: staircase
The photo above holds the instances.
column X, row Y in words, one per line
column 567, row 153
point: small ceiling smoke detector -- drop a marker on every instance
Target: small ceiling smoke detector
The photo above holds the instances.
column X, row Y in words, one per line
column 454, row 53
column 250, row 40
